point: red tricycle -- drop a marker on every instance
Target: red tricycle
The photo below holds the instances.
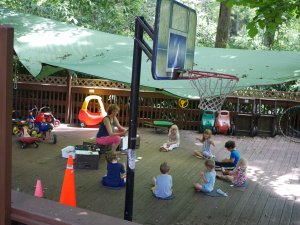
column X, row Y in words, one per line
column 223, row 124
column 25, row 141
column 32, row 137
column 88, row 118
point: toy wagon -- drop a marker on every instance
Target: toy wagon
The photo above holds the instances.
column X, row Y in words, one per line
column 223, row 124
column 88, row 118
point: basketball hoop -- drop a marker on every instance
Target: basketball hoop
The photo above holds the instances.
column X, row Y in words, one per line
column 212, row 87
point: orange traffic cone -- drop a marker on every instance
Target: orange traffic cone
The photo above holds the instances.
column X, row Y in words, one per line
column 68, row 195
column 39, row 189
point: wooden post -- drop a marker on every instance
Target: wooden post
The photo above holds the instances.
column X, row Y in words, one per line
column 6, row 65
column 68, row 98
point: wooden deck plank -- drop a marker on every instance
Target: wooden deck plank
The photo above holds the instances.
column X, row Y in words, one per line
column 249, row 207
column 295, row 220
column 277, row 211
column 296, row 181
column 275, row 216
column 267, row 212
column 284, row 168
column 270, row 153
column 287, row 212
column 262, row 210
column 251, row 204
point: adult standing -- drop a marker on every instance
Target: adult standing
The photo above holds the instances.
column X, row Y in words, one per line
column 110, row 130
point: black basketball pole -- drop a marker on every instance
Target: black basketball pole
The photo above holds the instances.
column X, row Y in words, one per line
column 139, row 45
column 134, row 103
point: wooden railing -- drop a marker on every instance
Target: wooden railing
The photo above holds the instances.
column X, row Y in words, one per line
column 52, row 92
column 27, row 209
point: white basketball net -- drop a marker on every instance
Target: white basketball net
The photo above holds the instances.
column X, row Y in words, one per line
column 213, row 88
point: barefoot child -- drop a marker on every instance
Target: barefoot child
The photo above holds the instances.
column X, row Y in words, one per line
column 207, row 142
column 238, row 176
column 208, row 178
column 173, row 139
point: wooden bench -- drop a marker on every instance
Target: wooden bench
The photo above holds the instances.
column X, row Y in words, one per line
column 160, row 125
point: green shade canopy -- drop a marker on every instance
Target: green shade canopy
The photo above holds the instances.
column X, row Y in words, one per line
column 39, row 42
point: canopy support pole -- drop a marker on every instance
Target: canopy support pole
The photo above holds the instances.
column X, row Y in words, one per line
column 6, row 96
column 68, row 97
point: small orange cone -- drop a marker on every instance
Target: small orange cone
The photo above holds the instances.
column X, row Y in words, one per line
column 39, row 189
column 68, row 194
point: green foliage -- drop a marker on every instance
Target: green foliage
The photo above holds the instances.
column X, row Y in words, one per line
column 113, row 16
column 270, row 14
column 250, row 20
column 207, row 20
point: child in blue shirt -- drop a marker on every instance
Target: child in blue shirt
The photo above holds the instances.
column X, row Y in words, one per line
column 115, row 172
column 163, row 183
column 208, row 178
column 229, row 164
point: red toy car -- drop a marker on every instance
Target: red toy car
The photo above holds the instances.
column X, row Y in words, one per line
column 222, row 124
column 88, row 118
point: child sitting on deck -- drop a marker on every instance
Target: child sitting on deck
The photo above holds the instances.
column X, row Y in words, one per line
column 115, row 172
column 173, row 139
column 238, row 176
column 209, row 178
column 163, row 183
column 207, row 142
column 229, row 164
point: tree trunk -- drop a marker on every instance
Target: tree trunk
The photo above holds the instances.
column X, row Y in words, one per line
column 223, row 28
column 269, row 36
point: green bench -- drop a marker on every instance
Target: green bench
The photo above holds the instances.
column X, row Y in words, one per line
column 159, row 125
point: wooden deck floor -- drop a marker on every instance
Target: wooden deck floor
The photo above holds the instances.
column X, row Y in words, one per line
column 272, row 197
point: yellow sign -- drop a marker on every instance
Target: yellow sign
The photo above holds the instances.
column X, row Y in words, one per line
column 183, row 103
